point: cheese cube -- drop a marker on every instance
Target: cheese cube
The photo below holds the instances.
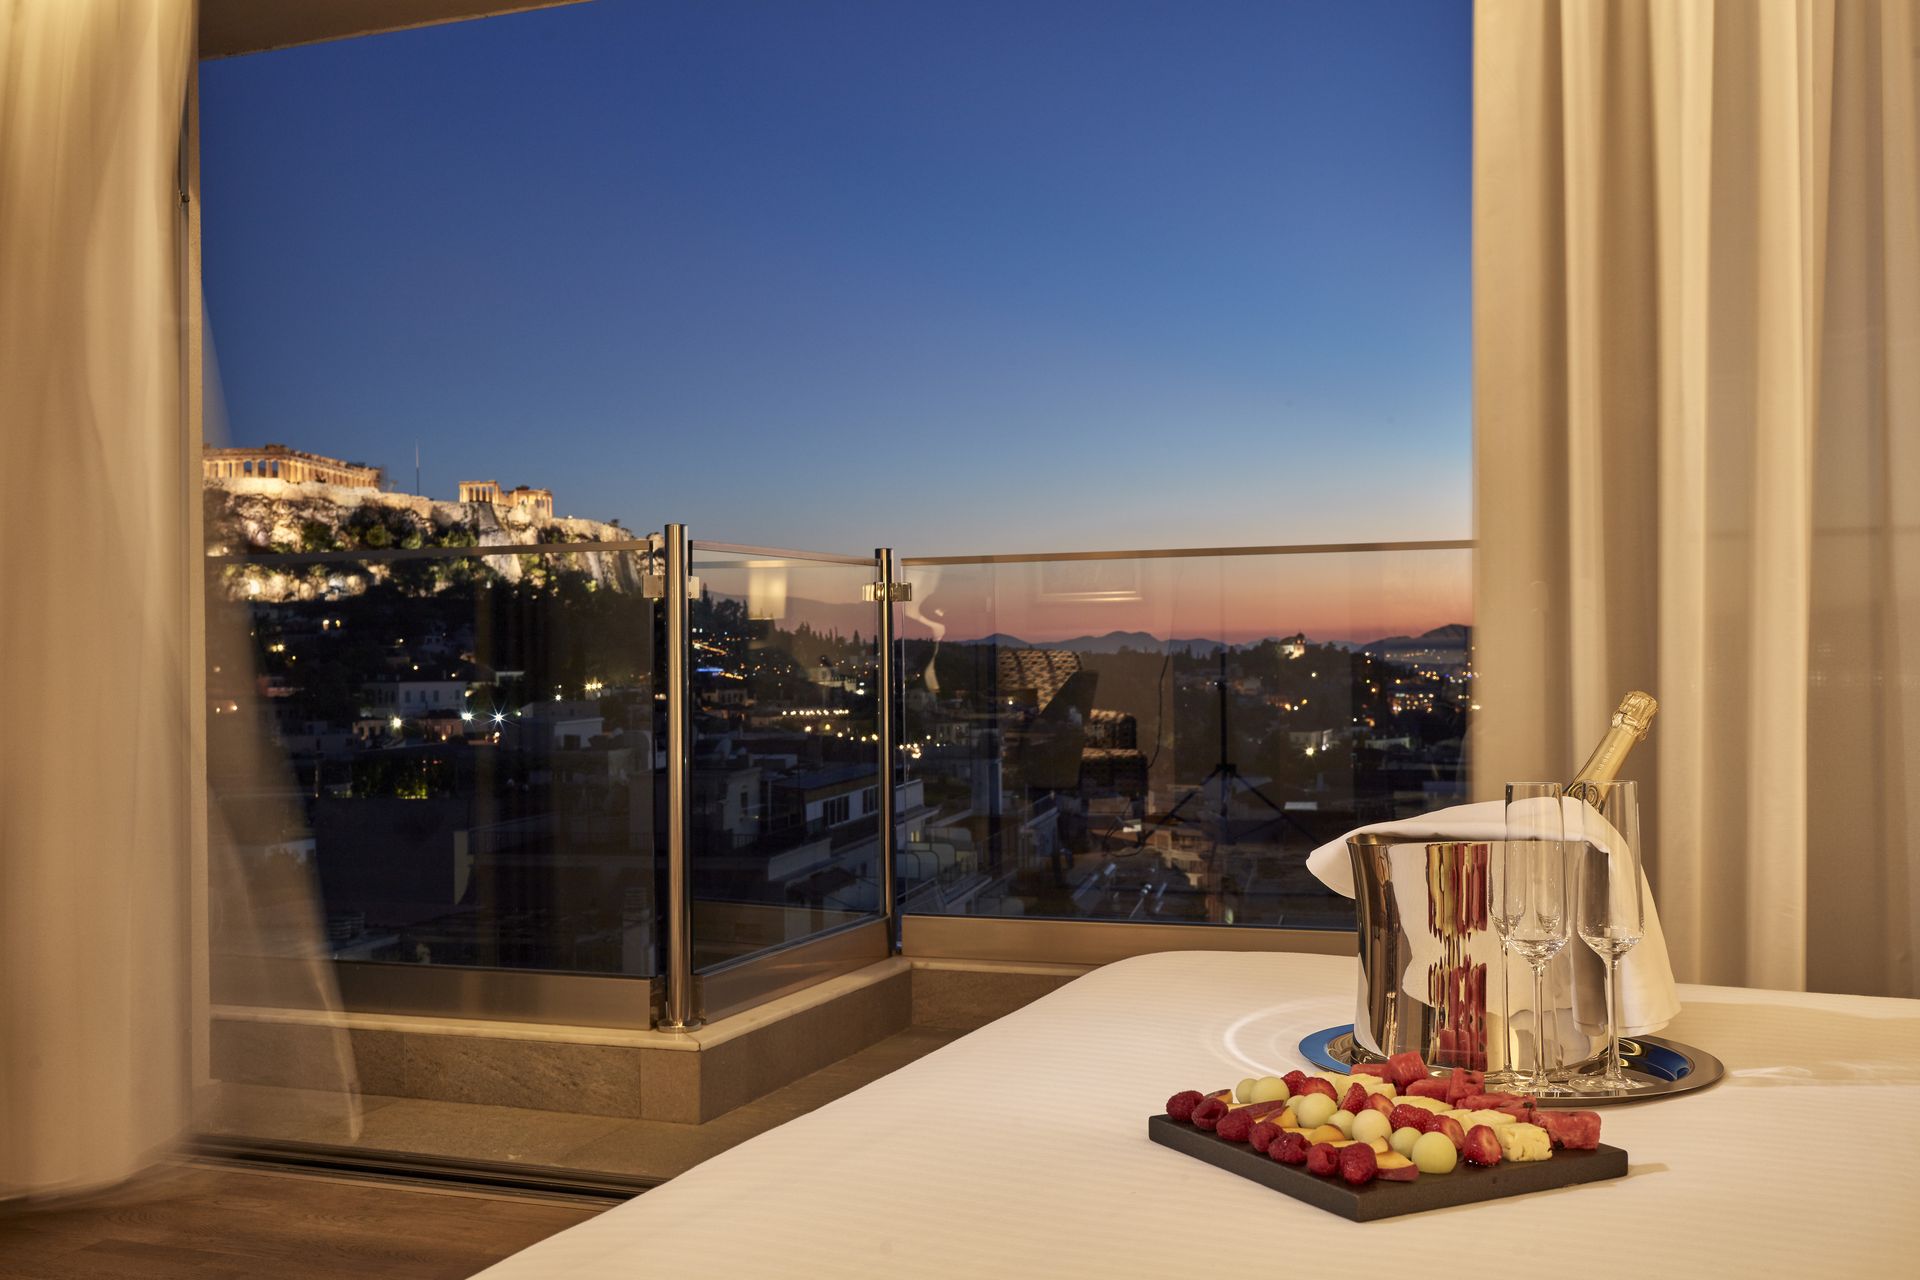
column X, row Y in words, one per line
column 1521, row 1142
column 1493, row 1119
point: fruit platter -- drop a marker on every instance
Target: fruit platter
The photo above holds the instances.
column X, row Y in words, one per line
column 1405, row 1140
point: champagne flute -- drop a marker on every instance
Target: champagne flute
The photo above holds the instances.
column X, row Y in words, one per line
column 1534, row 899
column 1508, row 1077
column 1611, row 909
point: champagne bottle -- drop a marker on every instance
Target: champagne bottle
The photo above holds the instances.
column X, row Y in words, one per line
column 1629, row 725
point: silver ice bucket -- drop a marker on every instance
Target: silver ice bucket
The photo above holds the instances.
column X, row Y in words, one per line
column 1431, row 965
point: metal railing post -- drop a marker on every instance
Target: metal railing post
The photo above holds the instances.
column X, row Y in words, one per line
column 677, row 1012
column 889, row 748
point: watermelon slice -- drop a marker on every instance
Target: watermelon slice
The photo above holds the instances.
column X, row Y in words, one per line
column 1405, row 1068
column 1575, row 1130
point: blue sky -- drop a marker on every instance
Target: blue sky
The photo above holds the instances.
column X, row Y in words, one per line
column 948, row 277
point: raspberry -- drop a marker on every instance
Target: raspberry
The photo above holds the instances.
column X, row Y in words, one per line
column 1357, row 1164
column 1323, row 1159
column 1208, row 1113
column 1408, row 1116
column 1180, row 1106
column 1289, row 1148
column 1235, row 1126
column 1263, row 1135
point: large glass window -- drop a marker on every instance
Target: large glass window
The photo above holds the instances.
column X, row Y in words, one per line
column 963, row 280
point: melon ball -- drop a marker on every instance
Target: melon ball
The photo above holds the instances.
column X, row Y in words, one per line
column 1403, row 1139
column 1243, row 1092
column 1343, row 1121
column 1369, row 1126
column 1270, row 1089
column 1314, row 1110
column 1433, row 1153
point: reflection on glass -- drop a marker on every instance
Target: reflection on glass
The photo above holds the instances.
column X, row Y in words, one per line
column 1165, row 738
column 786, row 767
column 469, row 739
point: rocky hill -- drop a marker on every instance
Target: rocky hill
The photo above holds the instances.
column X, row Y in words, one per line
column 254, row 517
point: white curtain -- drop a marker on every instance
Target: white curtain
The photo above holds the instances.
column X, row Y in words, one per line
column 1697, row 385
column 96, row 523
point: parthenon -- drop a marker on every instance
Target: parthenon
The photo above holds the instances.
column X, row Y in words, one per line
column 291, row 466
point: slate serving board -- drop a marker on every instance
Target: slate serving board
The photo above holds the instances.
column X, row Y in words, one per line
column 1467, row 1184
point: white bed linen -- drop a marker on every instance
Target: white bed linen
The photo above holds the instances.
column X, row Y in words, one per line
column 1021, row 1150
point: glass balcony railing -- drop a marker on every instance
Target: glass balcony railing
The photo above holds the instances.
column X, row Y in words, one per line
column 468, row 754
column 786, row 751
column 1163, row 737
column 456, row 745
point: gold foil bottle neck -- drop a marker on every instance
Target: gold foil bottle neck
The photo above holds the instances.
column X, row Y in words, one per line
column 1636, row 713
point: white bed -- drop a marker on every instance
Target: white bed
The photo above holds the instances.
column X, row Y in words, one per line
column 1021, row 1150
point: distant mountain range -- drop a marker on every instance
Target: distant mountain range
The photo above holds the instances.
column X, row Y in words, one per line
column 1438, row 642
column 1112, row 642
column 1454, row 635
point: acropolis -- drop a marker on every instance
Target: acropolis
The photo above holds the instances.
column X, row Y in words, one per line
column 291, row 466
column 537, row 503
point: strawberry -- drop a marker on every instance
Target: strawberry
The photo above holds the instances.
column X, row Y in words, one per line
column 1315, row 1084
column 1482, row 1147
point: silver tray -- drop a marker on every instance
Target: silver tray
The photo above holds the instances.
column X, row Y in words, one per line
column 1660, row 1067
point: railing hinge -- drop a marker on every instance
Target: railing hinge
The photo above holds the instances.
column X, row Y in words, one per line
column 653, row 583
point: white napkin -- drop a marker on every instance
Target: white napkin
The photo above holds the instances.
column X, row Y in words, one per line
column 1648, row 998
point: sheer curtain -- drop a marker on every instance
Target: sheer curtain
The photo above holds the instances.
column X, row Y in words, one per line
column 94, row 558
column 1697, row 382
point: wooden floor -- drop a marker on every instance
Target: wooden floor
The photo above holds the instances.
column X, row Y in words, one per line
column 216, row 1223
column 188, row 1220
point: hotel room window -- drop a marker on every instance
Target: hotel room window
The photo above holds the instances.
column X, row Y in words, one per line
column 1040, row 311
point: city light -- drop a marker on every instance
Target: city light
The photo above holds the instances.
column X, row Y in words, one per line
column 467, row 716
column 394, row 723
